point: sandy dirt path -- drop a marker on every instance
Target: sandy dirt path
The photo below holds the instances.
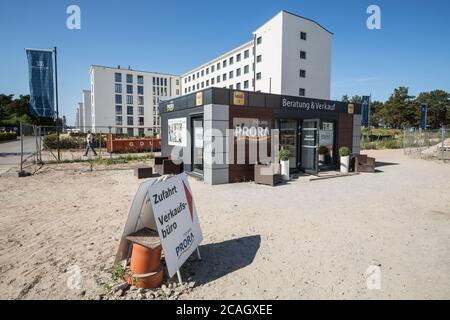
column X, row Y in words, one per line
column 301, row 240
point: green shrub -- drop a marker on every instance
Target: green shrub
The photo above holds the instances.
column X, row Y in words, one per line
column 344, row 151
column 65, row 142
column 284, row 154
column 6, row 136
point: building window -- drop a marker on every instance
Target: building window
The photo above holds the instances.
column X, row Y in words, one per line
column 193, row 76
column 218, row 79
column 224, row 63
column 141, row 132
column 118, row 120
column 141, row 100
column 130, row 99
column 118, row 88
column 246, row 84
column 224, row 77
column 231, row 75
column 246, row 69
column 207, row 83
column 302, row 73
column 238, row 86
column 130, row 131
column 165, row 82
column 238, row 57
column 140, row 89
column 301, row 92
column 303, row 35
column 129, row 89
column 203, row 84
column 177, row 82
column 118, row 99
column 302, row 54
column 258, row 58
column 119, row 130
column 238, row 72
column 198, row 86
column 129, row 78
column 218, row 66
column 141, row 111
column 130, row 110
column 118, row 109
column 246, row 54
column 203, row 73
column 130, row 121
column 231, row 60
column 118, row 77
column 212, row 81
column 177, row 92
column 207, row 70
column 258, row 76
column 185, row 90
column 140, row 79
column 154, row 81
column 141, row 121
column 212, row 68
column 230, row 86
column 259, row 40
column 198, row 75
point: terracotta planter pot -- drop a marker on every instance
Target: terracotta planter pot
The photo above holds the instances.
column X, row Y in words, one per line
column 144, row 260
column 149, row 280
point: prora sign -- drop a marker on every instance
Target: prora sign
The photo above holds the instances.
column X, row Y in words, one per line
column 176, row 220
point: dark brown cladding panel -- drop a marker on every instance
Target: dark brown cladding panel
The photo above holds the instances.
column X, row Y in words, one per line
column 345, row 130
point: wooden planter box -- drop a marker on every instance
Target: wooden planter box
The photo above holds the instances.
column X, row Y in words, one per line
column 114, row 145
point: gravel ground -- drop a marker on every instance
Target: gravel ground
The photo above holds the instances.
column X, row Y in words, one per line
column 302, row 240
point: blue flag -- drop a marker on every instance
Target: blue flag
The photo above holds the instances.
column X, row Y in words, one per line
column 40, row 70
column 423, row 116
column 365, row 111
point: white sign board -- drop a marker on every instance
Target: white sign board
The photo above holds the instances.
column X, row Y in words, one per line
column 177, row 132
column 176, row 220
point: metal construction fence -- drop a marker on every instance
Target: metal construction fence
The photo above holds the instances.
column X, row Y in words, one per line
column 428, row 144
column 105, row 145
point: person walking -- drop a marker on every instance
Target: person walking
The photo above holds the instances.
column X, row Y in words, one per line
column 89, row 143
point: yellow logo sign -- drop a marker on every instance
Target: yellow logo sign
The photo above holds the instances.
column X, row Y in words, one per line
column 238, row 98
column 199, row 99
column 351, row 108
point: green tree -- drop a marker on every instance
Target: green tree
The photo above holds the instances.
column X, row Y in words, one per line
column 437, row 101
column 376, row 113
column 399, row 111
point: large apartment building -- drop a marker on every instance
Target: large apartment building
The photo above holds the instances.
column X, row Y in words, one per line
column 288, row 55
column 127, row 99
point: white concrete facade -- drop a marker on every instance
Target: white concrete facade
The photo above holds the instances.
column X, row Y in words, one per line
column 293, row 57
column 127, row 99
column 86, row 98
column 81, row 118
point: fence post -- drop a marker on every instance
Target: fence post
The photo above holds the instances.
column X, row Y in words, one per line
column 109, row 137
column 443, row 144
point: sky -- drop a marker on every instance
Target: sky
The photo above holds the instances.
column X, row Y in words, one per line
column 411, row 49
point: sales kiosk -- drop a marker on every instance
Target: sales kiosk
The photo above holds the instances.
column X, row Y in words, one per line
column 312, row 130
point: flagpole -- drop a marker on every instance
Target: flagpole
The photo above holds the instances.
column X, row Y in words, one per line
column 57, row 107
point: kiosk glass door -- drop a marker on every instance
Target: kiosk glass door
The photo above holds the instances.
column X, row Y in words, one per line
column 197, row 144
column 288, row 139
column 310, row 145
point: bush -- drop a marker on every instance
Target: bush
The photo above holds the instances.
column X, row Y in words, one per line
column 284, row 154
column 65, row 142
column 6, row 136
column 344, row 151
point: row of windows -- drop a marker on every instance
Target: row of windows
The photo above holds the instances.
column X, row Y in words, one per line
column 130, row 110
column 238, row 85
column 118, row 88
column 118, row 99
column 157, row 81
column 213, row 68
column 129, row 78
column 130, row 121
